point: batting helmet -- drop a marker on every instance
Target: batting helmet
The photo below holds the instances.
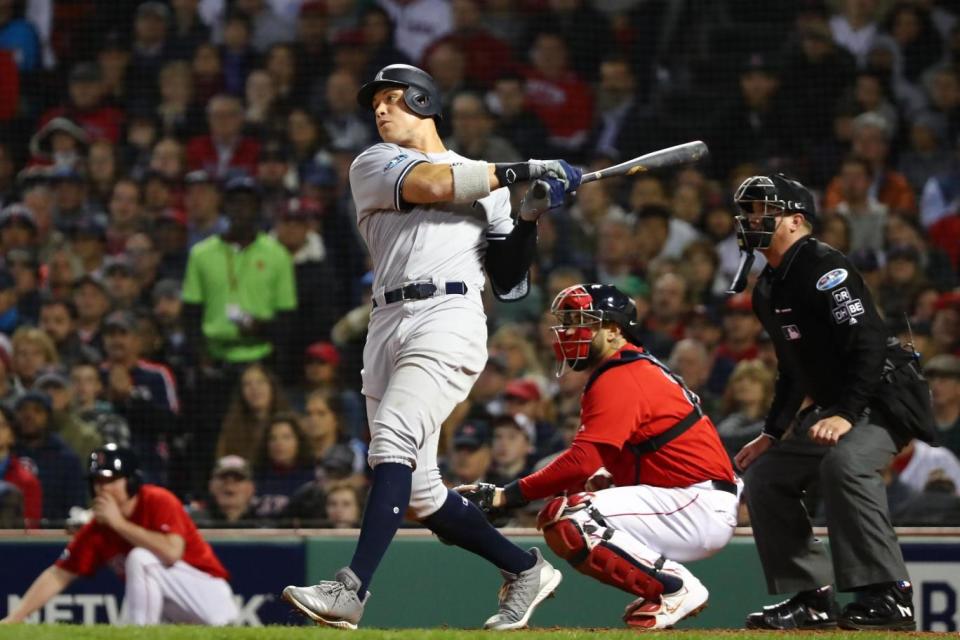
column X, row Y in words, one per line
column 113, row 461
column 779, row 195
column 582, row 310
column 420, row 91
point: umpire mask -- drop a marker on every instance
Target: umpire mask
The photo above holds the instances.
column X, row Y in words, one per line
column 761, row 201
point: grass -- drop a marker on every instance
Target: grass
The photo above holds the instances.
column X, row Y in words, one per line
column 73, row 632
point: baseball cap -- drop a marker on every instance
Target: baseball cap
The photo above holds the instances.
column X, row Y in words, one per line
column 92, row 279
column 166, row 288
column 945, row 365
column 17, row 212
column 519, row 422
column 85, row 72
column 903, row 252
column 89, row 226
column 117, row 264
column 523, row 390
column 303, row 209
column 232, row 465
column 739, row 302
column 49, row 379
column 37, row 397
column 471, row 435
column 758, row 62
column 199, row 177
column 242, row 184
column 323, row 352
column 121, row 319
column 174, row 217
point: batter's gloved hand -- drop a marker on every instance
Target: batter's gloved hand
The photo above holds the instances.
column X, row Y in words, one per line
column 487, row 496
column 552, row 196
column 569, row 175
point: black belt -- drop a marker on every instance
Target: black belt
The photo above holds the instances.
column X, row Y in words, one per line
column 421, row 291
column 724, row 485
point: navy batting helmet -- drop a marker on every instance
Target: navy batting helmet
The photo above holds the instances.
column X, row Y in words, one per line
column 113, row 461
column 420, row 91
column 581, row 310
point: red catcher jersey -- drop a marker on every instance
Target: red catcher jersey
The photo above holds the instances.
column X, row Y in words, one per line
column 632, row 402
column 157, row 510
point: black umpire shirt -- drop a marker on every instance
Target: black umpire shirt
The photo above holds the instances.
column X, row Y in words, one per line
column 829, row 338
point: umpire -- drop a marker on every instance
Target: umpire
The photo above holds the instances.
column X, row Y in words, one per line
column 848, row 398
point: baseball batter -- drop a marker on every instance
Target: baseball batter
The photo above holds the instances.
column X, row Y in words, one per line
column 672, row 493
column 433, row 221
column 144, row 533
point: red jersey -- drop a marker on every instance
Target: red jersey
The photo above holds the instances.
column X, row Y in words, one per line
column 23, row 477
column 630, row 403
column 157, row 510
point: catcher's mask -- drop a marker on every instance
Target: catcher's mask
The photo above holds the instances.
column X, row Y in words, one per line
column 581, row 311
column 761, row 201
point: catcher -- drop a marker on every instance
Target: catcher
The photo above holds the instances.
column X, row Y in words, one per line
column 660, row 488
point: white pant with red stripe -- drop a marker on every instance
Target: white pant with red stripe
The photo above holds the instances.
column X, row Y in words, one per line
column 179, row 593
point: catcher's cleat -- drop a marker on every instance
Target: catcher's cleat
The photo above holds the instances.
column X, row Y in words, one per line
column 522, row 592
column 806, row 610
column 669, row 608
column 334, row 603
column 887, row 606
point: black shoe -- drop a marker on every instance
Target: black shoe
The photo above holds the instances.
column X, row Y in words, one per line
column 884, row 606
column 806, row 610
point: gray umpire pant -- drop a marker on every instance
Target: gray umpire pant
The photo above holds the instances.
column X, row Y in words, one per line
column 862, row 540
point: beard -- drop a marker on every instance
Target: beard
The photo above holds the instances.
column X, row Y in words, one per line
column 593, row 358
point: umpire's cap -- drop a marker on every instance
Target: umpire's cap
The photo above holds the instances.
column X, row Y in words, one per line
column 113, row 461
column 420, row 91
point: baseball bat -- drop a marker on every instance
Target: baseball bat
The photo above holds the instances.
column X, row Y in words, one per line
column 668, row 158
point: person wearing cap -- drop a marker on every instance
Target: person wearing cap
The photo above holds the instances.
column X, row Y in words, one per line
column 202, row 201
column 231, row 501
column 80, row 436
column 144, row 393
column 142, row 532
column 470, row 455
column 321, row 372
column 514, row 442
column 837, row 418
column 151, row 24
column 88, row 239
column 122, row 286
column 18, row 228
column 740, row 331
column 17, row 473
column 92, row 302
column 225, row 150
column 86, row 105
column 943, row 372
column 57, row 465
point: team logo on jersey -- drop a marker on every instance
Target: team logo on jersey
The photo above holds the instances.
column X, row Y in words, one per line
column 791, row 332
column 390, row 165
column 831, row 279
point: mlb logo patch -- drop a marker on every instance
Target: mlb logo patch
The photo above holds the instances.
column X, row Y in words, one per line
column 831, row 279
column 791, row 332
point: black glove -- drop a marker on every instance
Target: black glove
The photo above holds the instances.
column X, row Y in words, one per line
column 481, row 495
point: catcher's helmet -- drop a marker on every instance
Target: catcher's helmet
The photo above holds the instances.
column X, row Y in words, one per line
column 581, row 310
column 113, row 461
column 420, row 91
column 779, row 195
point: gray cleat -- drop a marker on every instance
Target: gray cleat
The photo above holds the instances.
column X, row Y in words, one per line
column 522, row 592
column 334, row 603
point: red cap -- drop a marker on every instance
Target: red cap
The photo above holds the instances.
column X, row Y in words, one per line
column 313, row 8
column 525, row 390
column 324, row 352
column 739, row 302
column 948, row 300
column 175, row 216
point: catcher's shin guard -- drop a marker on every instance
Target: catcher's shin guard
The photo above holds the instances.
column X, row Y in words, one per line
column 577, row 533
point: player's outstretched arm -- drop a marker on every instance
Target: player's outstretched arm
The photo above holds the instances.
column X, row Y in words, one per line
column 427, row 183
column 48, row 584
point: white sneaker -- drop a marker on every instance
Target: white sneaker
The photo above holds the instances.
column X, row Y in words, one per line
column 522, row 592
column 687, row 602
column 334, row 603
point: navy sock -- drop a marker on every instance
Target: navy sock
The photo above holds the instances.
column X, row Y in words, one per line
column 460, row 522
column 386, row 507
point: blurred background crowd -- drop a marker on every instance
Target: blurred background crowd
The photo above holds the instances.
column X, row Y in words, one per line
column 181, row 270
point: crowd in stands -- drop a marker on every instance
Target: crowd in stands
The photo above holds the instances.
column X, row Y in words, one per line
column 181, row 271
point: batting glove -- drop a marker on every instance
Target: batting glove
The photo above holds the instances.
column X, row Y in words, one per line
column 562, row 170
column 553, row 196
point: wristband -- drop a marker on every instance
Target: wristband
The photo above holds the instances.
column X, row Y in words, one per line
column 509, row 173
column 471, row 181
column 512, row 496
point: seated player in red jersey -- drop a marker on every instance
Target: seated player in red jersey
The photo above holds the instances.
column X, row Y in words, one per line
column 646, row 483
column 143, row 532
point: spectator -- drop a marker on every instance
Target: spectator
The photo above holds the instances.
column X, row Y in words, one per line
column 472, row 134
column 855, row 27
column 80, row 436
column 122, row 287
column 86, row 388
column 313, row 43
column 346, row 125
column 691, row 361
column 149, row 52
column 58, row 320
column 231, row 502
column 669, row 308
column 93, row 303
column 177, row 113
column 284, row 464
column 745, row 404
column 103, row 172
column 225, row 149
column 18, row 228
column 283, row 67
column 33, row 353
column 913, row 31
column 514, row 441
column 59, row 144
column 19, row 36
column 935, row 265
column 9, row 313
column 418, row 23
column 339, row 456
column 945, row 326
column 144, row 393
column 16, row 473
column 927, row 155
column 514, row 120
column 321, row 372
column 871, row 141
column 58, row 467
column 208, row 72
column 943, row 372
column 378, row 40
column 86, row 106
column 344, row 506
column 511, row 342
column 470, row 454
column 486, row 54
column 202, row 201
column 187, row 30
column 918, row 461
column 936, row 506
column 902, row 282
column 257, row 398
column 867, row 217
column 269, row 27
column 741, row 329
column 88, row 239
column 557, row 95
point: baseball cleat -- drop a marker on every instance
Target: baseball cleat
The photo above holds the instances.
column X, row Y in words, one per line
column 884, row 607
column 685, row 603
column 522, row 592
column 334, row 603
column 809, row 610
